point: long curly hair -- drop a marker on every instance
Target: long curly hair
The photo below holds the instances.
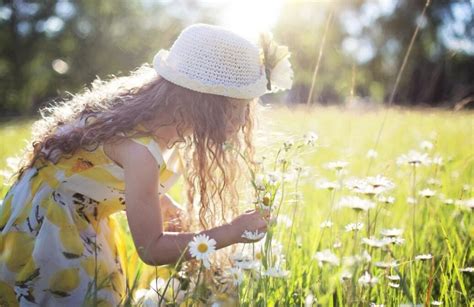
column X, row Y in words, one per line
column 120, row 104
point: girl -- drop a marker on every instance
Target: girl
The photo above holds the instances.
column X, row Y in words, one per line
column 115, row 147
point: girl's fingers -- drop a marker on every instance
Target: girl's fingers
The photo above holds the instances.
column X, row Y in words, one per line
column 266, row 215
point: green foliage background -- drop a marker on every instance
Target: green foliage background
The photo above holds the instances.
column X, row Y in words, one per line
column 99, row 38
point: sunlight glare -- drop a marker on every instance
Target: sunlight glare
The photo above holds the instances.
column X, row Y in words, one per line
column 248, row 18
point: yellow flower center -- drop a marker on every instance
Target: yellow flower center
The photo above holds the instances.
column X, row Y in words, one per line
column 258, row 255
column 221, row 296
column 266, row 201
column 202, row 247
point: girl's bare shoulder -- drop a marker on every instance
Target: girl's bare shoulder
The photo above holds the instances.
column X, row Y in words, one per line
column 127, row 153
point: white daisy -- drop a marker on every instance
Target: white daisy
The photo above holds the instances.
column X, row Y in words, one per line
column 354, row 227
column 393, row 285
column 372, row 154
column 253, row 236
column 259, row 182
column 201, row 247
column 309, row 300
column 437, row 160
column 326, row 256
column 469, row 203
column 326, row 224
column 252, row 255
column 414, row 158
column 427, row 193
column 380, row 181
column 157, row 291
column 373, row 242
column 366, row 279
column 273, row 178
column 336, row 165
column 395, row 240
column 467, row 270
column 436, row 303
column 356, row 203
column 236, row 275
column 362, row 187
column 352, row 260
column 366, row 256
column 276, row 272
column 327, row 185
column 241, row 256
column 411, row 200
column 426, row 145
column 392, row 232
column 373, row 185
column 446, row 201
column 393, row 277
column 386, row 265
column 386, row 199
column 424, row 257
column 139, row 294
column 248, row 265
column 299, row 241
column 434, row 182
column 264, row 202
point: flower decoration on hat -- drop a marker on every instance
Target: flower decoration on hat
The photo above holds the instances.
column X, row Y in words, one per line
column 276, row 61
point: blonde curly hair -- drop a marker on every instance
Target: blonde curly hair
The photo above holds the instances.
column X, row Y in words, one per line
column 119, row 104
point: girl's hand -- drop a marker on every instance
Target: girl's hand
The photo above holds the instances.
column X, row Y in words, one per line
column 250, row 220
column 175, row 220
column 174, row 217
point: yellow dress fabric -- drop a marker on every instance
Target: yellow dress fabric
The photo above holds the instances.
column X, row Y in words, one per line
column 58, row 240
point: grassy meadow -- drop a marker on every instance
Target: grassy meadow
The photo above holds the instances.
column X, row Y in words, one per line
column 357, row 223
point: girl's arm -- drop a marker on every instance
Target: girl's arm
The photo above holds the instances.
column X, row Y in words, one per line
column 154, row 245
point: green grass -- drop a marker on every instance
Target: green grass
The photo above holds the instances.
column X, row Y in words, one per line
column 444, row 231
column 14, row 135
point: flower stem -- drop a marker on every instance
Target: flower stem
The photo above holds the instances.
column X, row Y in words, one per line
column 294, row 212
column 414, row 212
column 198, row 279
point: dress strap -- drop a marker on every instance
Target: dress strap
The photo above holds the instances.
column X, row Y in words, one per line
column 169, row 160
column 153, row 148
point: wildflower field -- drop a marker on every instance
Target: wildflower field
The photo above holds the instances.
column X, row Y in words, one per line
column 368, row 208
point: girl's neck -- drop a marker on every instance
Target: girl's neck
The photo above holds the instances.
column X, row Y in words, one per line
column 166, row 136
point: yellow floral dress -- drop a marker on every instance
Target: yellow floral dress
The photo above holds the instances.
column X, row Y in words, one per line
column 58, row 241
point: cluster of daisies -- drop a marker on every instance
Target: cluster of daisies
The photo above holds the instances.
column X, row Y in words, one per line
column 368, row 197
column 261, row 258
column 367, row 259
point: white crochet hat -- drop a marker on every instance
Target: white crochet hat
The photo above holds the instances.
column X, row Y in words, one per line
column 212, row 59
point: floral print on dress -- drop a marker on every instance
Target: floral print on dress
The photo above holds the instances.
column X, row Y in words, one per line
column 58, row 234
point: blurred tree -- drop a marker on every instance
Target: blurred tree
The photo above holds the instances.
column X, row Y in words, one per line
column 366, row 44
column 435, row 73
column 49, row 46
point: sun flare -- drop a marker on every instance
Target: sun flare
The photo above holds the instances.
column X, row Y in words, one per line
column 248, row 18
